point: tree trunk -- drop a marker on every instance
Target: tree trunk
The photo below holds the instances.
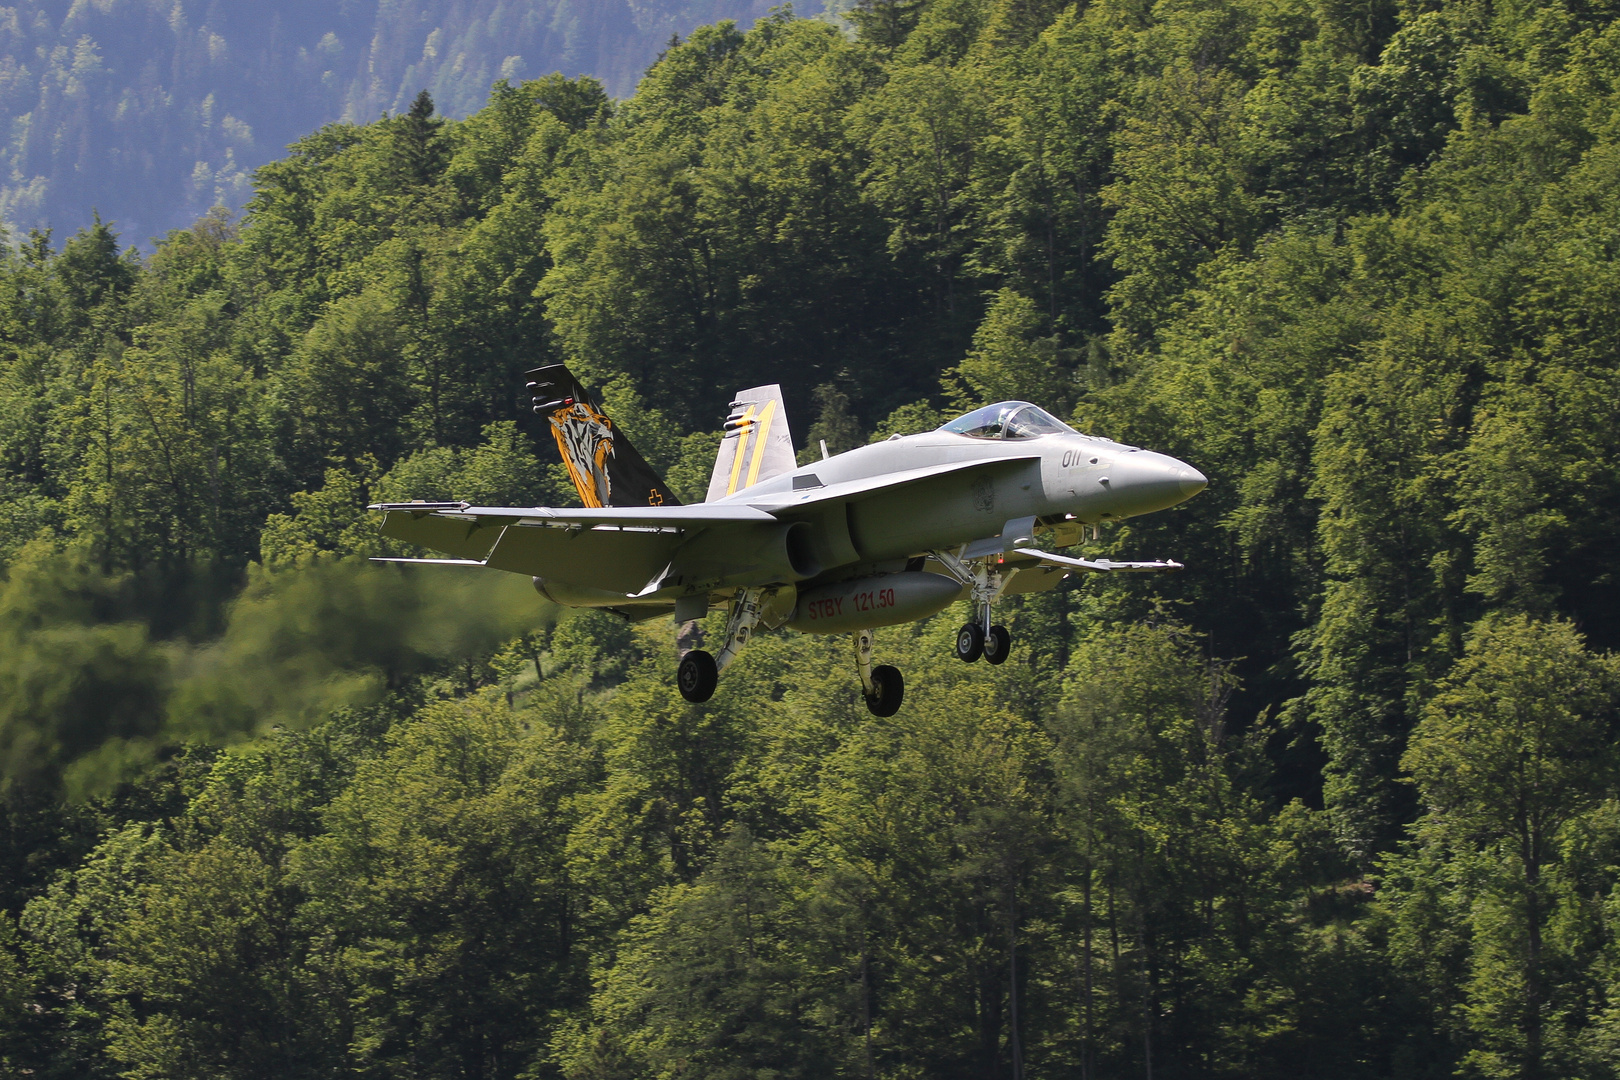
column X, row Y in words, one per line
column 866, row 1006
column 1085, row 982
column 1533, row 990
column 1013, row 1043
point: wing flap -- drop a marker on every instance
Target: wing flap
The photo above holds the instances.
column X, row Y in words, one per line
column 463, row 537
column 617, row 560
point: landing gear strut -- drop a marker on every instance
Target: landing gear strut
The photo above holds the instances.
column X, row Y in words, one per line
column 997, row 643
column 883, row 686
column 979, row 637
column 699, row 672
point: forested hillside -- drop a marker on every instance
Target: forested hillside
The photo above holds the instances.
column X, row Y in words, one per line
column 152, row 112
column 1340, row 799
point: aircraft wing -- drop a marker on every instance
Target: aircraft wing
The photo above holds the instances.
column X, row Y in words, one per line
column 619, row 549
column 678, row 516
column 1099, row 566
column 440, row 527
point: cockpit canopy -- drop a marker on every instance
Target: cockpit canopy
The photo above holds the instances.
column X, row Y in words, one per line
column 1009, row 420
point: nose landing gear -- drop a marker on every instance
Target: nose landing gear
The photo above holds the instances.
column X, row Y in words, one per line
column 979, row 638
column 997, row 644
column 969, row 642
column 974, row 641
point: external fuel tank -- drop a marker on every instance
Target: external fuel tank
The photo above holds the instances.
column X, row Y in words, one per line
column 878, row 600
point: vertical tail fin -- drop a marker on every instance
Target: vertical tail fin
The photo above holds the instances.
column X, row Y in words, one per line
column 756, row 445
column 605, row 468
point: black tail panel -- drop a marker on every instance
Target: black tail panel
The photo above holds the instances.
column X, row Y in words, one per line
column 605, row 468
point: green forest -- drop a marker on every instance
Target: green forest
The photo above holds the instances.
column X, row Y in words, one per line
column 1341, row 799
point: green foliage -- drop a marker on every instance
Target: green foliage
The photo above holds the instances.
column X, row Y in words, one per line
column 19, row 991
column 1500, row 898
column 714, row 979
column 1013, row 358
column 1340, row 799
column 89, row 698
column 441, row 883
column 78, row 684
column 912, row 419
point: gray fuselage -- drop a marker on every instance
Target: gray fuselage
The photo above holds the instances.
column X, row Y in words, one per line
column 1045, row 477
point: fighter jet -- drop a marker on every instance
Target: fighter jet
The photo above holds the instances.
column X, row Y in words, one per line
column 880, row 535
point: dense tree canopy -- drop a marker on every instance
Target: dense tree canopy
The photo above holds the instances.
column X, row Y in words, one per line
column 1340, row 799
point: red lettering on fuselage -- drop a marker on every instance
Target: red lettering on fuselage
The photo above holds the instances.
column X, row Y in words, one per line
column 868, row 600
column 874, row 599
column 828, row 608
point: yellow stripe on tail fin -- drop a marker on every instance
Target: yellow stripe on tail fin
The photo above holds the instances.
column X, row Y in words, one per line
column 756, row 444
column 760, row 442
column 745, row 428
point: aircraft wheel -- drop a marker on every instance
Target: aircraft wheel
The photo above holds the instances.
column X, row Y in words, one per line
column 997, row 644
column 697, row 676
column 888, row 690
column 969, row 642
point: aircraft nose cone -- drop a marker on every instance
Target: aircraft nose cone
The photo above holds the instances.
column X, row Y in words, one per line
column 1142, row 482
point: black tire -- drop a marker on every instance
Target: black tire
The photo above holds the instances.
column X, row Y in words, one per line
column 969, row 642
column 888, row 691
column 997, row 644
column 697, row 676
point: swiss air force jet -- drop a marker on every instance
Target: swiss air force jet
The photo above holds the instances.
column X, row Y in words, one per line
column 883, row 534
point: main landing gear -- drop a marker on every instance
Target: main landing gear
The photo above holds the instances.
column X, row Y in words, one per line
column 697, row 676
column 883, row 686
column 699, row 673
column 979, row 637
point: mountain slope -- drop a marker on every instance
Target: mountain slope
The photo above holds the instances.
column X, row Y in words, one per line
column 150, row 113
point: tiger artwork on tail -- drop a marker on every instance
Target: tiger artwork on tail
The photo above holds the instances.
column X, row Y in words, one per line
column 585, row 440
column 605, row 468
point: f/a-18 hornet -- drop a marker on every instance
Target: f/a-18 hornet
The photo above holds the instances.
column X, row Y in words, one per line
column 883, row 534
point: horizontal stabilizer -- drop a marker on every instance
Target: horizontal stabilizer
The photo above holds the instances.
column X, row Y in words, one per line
column 1100, row 566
